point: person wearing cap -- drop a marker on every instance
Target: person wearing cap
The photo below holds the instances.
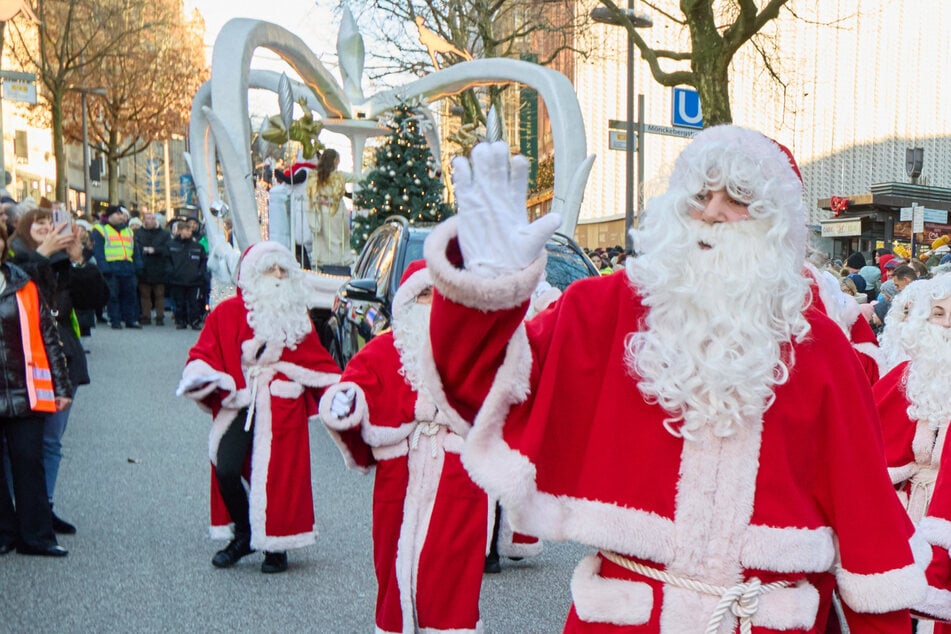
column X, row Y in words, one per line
column 696, row 420
column 288, row 204
column 259, row 369
column 116, row 257
column 429, row 518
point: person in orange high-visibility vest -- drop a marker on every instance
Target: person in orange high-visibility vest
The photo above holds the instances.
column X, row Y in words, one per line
column 33, row 383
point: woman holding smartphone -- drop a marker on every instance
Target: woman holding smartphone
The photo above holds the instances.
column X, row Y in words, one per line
column 52, row 255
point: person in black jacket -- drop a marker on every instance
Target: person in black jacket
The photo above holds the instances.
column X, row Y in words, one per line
column 152, row 242
column 187, row 279
column 53, row 258
column 23, row 399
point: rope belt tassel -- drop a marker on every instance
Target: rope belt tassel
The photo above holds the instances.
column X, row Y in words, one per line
column 742, row 600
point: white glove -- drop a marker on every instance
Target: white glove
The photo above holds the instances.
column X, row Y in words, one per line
column 494, row 233
column 342, row 403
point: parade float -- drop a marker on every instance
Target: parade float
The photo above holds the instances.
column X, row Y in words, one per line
column 220, row 134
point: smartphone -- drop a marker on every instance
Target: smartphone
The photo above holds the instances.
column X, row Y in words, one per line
column 60, row 215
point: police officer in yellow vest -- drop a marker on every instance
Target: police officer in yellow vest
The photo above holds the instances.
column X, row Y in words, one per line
column 112, row 245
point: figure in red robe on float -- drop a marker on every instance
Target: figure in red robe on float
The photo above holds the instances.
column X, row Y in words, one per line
column 259, row 369
column 693, row 418
column 429, row 518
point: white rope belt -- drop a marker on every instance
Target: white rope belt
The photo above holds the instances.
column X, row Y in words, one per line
column 922, row 487
column 425, row 429
column 253, row 373
column 742, row 599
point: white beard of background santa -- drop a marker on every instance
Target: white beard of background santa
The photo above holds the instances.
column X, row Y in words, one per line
column 929, row 347
column 702, row 353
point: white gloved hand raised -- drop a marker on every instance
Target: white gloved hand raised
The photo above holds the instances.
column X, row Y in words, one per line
column 494, row 233
column 342, row 404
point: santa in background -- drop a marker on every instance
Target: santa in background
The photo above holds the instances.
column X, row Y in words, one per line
column 845, row 311
column 289, row 209
column 913, row 398
column 259, row 369
column 696, row 418
column 429, row 518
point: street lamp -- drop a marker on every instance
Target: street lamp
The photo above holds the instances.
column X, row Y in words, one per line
column 605, row 15
column 83, row 92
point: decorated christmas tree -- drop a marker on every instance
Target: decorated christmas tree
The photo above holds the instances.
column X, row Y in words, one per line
column 405, row 181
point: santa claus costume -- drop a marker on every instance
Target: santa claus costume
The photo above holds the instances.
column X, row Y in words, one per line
column 258, row 367
column 429, row 518
column 288, row 210
column 936, row 529
column 719, row 449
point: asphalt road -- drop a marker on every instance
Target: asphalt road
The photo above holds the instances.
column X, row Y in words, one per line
column 135, row 481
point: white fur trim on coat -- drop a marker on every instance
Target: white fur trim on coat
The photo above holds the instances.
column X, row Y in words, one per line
column 882, row 592
column 936, row 604
column 461, row 286
column 788, row 549
column 286, row 389
column 198, row 368
column 936, row 531
column 508, row 547
column 615, row 601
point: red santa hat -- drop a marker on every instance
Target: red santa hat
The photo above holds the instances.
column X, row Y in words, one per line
column 259, row 257
column 296, row 175
column 415, row 280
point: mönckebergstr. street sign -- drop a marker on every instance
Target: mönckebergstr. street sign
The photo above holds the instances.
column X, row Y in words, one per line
column 650, row 128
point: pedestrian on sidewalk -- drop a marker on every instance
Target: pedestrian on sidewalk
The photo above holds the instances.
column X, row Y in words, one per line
column 152, row 242
column 53, row 258
column 34, row 383
column 695, row 419
column 116, row 259
column 429, row 518
column 189, row 263
column 259, row 369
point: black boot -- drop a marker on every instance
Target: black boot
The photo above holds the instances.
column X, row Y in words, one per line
column 60, row 525
column 230, row 554
column 274, row 562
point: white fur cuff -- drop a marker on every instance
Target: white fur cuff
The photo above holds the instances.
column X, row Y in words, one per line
column 355, row 418
column 936, row 604
column 882, row 592
column 936, row 531
column 615, row 601
column 461, row 286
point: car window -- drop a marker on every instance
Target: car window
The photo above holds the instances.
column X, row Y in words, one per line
column 377, row 257
column 564, row 265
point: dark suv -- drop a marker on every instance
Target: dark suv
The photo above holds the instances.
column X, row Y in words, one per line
column 361, row 308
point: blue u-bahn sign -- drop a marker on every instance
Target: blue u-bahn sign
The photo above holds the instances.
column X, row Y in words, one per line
column 685, row 111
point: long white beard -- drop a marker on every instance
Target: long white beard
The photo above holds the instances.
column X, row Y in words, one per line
column 411, row 337
column 277, row 310
column 928, row 379
column 716, row 339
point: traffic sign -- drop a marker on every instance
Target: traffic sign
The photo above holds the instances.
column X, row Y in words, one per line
column 651, row 128
column 617, row 140
column 686, row 112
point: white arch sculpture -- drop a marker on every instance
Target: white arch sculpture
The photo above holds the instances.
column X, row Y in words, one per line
column 219, row 128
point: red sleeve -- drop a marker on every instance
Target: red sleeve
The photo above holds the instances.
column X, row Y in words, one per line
column 897, row 430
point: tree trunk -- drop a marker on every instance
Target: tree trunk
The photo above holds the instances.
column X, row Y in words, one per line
column 59, row 147
column 713, row 85
column 112, row 157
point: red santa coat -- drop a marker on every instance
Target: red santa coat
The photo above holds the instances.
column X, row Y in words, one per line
column 429, row 518
column 936, row 529
column 912, row 449
column 844, row 310
column 286, row 385
column 564, row 437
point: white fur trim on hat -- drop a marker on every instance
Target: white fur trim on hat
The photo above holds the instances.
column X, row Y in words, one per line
column 252, row 257
column 409, row 290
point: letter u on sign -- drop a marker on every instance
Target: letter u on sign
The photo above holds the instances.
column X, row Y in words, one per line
column 686, row 112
